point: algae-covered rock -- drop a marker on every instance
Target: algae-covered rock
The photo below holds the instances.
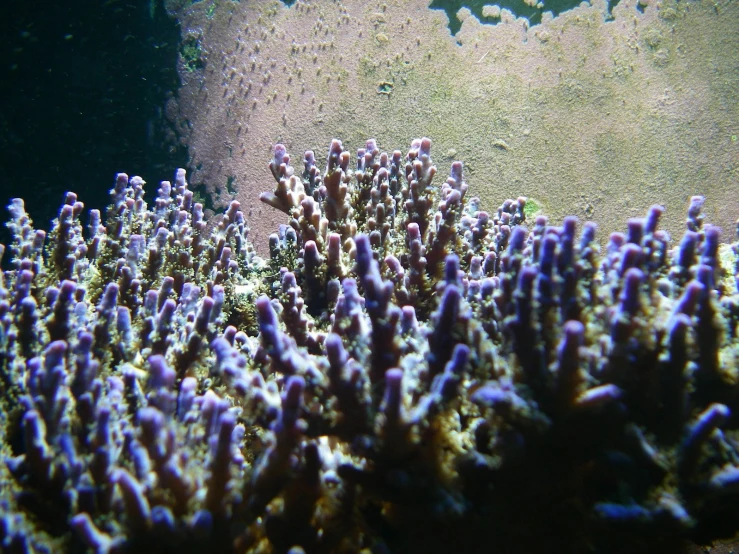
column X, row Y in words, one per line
column 595, row 114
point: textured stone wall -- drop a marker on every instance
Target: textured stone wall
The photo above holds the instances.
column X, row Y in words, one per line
column 600, row 118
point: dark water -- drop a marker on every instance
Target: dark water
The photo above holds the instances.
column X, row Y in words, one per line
column 518, row 7
column 82, row 88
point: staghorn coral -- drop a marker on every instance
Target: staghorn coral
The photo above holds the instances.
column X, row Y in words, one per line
column 407, row 373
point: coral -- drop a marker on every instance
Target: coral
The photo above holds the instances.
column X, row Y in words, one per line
column 407, row 373
column 599, row 112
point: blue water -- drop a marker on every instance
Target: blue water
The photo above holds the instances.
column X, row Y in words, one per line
column 518, row 7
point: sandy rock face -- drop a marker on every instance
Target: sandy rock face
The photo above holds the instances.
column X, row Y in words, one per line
column 598, row 115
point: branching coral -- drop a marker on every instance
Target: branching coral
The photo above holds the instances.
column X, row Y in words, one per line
column 406, row 373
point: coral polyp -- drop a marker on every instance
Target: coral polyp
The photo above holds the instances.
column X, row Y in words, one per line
column 405, row 373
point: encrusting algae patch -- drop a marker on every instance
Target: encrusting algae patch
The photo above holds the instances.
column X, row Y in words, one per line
column 596, row 115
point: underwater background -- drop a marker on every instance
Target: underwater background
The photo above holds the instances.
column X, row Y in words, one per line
column 83, row 88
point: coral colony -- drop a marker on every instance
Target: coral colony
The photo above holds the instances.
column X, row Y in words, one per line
column 406, row 373
column 587, row 113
